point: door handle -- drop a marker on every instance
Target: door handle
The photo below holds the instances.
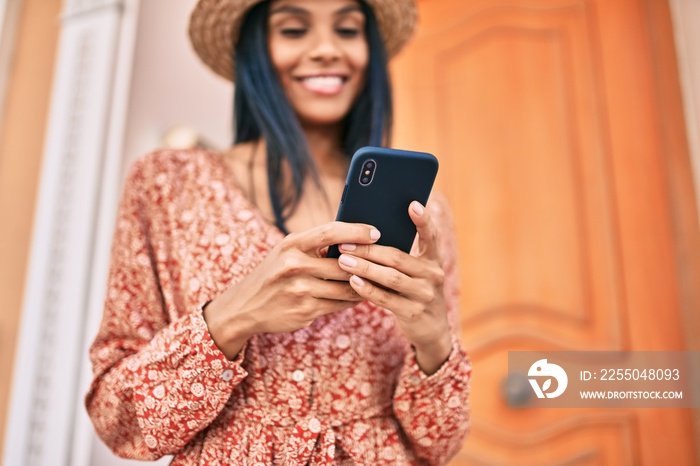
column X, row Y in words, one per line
column 516, row 390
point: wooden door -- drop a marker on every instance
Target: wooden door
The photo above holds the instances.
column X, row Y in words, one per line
column 559, row 129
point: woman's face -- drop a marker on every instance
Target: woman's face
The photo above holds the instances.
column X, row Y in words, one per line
column 320, row 54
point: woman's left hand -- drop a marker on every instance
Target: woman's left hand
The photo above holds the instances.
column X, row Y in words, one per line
column 409, row 286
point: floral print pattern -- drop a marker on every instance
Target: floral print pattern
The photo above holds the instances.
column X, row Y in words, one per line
column 345, row 390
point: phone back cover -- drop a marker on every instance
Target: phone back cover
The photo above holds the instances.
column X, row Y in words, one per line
column 400, row 177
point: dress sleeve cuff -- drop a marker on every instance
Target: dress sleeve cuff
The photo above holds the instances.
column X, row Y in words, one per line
column 454, row 372
column 228, row 372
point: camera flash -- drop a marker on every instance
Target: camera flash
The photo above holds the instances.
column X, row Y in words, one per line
column 366, row 172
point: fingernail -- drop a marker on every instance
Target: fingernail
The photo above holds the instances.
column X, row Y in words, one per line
column 374, row 233
column 348, row 246
column 417, row 208
column 347, row 261
column 357, row 280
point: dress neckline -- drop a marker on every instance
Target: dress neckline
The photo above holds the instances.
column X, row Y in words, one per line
column 229, row 182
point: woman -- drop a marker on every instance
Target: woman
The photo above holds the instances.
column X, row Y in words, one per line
column 228, row 337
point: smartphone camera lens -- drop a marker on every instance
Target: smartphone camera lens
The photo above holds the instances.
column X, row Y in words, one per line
column 367, row 172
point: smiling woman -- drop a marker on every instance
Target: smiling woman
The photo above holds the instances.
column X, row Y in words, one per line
column 226, row 339
column 286, row 65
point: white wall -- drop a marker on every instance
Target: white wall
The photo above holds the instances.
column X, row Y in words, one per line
column 170, row 86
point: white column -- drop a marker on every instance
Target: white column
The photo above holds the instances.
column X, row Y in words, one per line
column 82, row 147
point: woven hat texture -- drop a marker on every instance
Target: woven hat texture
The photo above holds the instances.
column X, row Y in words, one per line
column 215, row 25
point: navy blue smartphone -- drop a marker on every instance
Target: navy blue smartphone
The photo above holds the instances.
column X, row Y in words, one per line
column 380, row 186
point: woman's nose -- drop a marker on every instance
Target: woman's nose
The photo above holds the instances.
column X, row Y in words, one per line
column 325, row 48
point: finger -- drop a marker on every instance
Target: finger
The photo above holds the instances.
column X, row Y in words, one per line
column 335, row 290
column 387, row 277
column 317, row 239
column 326, row 269
column 295, row 263
column 388, row 256
column 426, row 229
column 399, row 305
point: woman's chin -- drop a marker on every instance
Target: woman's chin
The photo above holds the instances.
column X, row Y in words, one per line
column 320, row 120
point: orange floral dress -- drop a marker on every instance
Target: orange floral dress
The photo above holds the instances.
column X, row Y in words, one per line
column 345, row 390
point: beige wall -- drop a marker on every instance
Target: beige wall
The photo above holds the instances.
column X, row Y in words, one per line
column 21, row 145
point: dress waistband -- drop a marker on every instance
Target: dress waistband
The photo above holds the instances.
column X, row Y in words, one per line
column 314, row 431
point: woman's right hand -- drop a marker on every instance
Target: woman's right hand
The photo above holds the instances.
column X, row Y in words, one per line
column 294, row 285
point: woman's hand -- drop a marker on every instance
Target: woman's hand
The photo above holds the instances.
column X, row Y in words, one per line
column 409, row 286
column 292, row 286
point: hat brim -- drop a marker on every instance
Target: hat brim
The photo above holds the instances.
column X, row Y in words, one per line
column 215, row 25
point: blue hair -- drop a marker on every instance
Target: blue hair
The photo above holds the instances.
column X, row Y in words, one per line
column 261, row 109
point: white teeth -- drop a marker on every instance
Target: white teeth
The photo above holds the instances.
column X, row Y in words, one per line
column 323, row 82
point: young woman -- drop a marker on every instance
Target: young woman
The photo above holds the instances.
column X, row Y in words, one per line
column 228, row 337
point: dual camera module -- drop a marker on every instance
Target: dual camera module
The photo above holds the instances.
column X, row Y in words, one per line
column 367, row 172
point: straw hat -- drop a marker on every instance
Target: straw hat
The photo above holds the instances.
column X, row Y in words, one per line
column 215, row 25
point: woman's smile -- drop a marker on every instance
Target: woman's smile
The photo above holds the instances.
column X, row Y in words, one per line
column 323, row 84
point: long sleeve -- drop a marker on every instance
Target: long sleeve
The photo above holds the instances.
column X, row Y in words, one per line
column 434, row 410
column 159, row 379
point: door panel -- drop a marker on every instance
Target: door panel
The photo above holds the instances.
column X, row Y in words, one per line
column 545, row 118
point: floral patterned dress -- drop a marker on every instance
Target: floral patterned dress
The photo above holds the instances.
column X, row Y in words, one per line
column 345, row 390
